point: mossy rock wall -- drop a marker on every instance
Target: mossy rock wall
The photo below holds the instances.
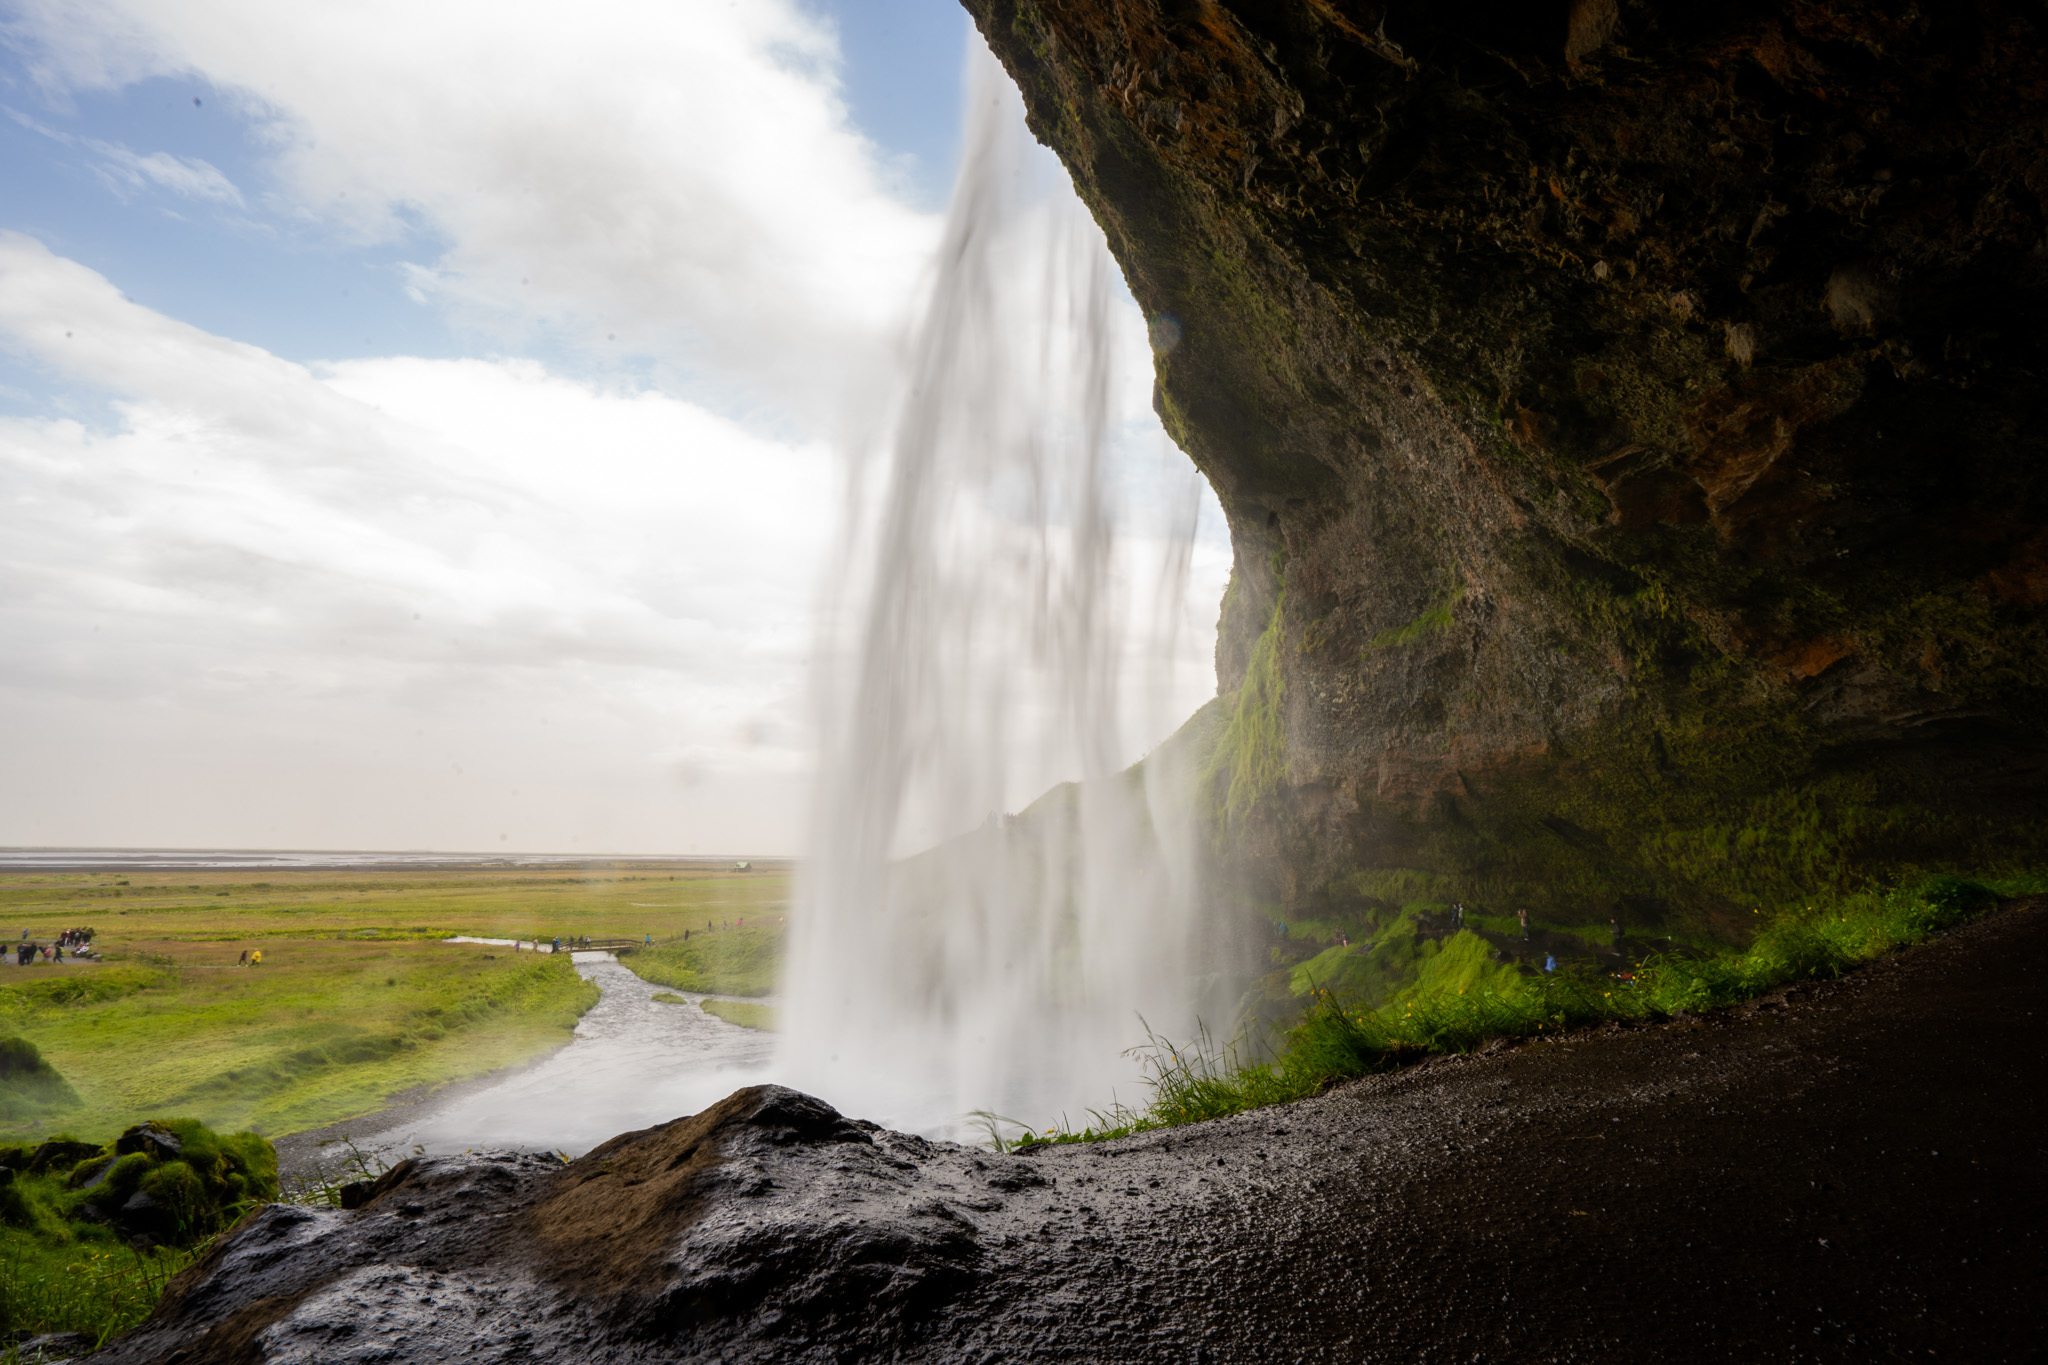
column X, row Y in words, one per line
column 1628, row 422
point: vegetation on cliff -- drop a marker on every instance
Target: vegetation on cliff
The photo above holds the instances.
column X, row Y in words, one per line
column 1248, row 760
column 1456, row 996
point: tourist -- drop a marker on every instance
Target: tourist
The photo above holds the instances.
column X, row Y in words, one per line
column 1614, row 933
column 57, row 951
column 1522, row 917
column 256, row 958
column 1549, row 962
column 650, row 940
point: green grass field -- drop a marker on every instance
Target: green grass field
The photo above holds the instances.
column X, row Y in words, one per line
column 746, row 1013
column 735, row 959
column 354, row 1002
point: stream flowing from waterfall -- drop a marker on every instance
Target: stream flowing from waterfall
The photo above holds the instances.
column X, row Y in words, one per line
column 1007, row 618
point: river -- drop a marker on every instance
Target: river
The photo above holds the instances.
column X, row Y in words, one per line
column 634, row 1061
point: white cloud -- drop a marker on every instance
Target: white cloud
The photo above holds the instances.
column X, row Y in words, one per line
column 387, row 601
column 187, row 176
column 128, row 172
column 600, row 597
column 682, row 177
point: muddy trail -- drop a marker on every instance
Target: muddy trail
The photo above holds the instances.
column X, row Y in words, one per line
column 1845, row 1171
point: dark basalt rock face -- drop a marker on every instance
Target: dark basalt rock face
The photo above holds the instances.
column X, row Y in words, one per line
column 1628, row 419
column 767, row 1226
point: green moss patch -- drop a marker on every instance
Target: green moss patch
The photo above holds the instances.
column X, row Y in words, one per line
column 1434, row 620
column 90, row 1235
column 1463, row 996
column 1249, row 760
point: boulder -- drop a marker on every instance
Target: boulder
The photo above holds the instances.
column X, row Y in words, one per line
column 768, row 1215
column 153, row 1140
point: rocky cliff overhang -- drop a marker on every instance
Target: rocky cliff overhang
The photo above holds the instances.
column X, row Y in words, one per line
column 1627, row 415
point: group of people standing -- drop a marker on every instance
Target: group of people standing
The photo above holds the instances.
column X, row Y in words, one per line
column 76, row 942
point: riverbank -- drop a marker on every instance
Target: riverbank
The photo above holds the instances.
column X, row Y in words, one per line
column 633, row 1061
column 356, row 1003
column 725, row 955
column 1844, row 1170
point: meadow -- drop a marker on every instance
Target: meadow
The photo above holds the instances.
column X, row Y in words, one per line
column 355, row 1001
column 734, row 959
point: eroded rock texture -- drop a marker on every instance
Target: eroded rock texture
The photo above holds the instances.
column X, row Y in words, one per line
column 1628, row 418
column 766, row 1227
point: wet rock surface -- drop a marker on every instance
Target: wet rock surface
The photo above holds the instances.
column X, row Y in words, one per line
column 1847, row 1171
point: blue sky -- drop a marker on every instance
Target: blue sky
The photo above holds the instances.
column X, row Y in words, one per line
column 423, row 425
column 294, row 286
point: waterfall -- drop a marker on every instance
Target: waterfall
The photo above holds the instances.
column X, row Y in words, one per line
column 1008, row 614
